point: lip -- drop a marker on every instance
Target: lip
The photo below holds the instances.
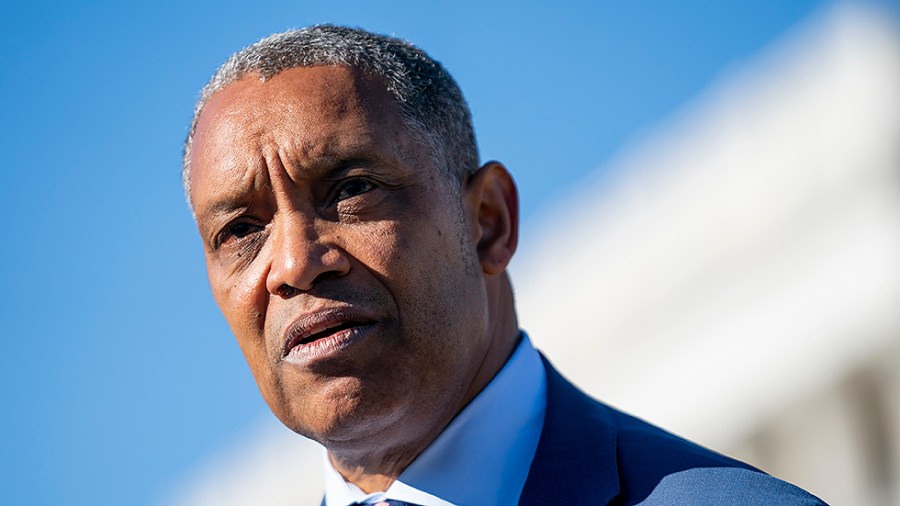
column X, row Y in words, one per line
column 323, row 334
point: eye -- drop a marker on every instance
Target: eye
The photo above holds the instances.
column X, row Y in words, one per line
column 238, row 230
column 351, row 188
column 241, row 229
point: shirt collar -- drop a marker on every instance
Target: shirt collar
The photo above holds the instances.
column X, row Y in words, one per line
column 484, row 454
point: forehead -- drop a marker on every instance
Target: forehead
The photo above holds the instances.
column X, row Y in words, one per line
column 299, row 115
column 308, row 101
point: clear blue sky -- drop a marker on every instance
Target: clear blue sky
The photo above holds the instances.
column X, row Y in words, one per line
column 119, row 374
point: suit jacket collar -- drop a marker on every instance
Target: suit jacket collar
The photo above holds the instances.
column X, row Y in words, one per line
column 575, row 461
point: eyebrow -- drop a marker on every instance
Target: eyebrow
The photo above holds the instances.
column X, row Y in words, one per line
column 332, row 166
column 220, row 208
column 322, row 167
column 224, row 206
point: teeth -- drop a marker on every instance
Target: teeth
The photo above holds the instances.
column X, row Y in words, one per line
column 321, row 333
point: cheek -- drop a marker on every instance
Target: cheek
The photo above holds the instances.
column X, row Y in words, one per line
column 242, row 298
column 427, row 267
column 380, row 247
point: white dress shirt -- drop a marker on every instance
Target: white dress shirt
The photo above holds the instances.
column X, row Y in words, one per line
column 484, row 454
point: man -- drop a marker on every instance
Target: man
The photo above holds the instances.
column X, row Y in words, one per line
column 358, row 250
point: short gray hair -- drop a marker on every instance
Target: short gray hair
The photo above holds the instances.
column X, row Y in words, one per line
column 431, row 103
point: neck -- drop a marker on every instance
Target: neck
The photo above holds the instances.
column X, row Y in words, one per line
column 504, row 326
column 365, row 478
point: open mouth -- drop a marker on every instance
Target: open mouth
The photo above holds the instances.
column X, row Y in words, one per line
column 323, row 332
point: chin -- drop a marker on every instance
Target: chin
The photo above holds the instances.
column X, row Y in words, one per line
column 338, row 410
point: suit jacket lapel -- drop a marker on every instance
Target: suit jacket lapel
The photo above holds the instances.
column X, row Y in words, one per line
column 575, row 461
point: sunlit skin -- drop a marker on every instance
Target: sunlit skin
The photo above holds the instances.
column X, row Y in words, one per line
column 326, row 225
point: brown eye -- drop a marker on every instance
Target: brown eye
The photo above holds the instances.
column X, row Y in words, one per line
column 238, row 230
column 351, row 188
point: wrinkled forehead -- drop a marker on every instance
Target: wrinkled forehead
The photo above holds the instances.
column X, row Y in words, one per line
column 306, row 113
column 251, row 107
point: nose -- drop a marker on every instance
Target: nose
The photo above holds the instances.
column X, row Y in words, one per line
column 301, row 257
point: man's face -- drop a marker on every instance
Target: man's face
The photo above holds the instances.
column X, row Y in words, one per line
column 341, row 256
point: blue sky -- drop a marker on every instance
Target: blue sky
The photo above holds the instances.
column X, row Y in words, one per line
column 119, row 373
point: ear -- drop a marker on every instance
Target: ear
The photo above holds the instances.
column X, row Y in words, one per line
column 492, row 196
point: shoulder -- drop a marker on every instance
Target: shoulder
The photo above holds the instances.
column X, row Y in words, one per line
column 657, row 468
column 725, row 486
column 591, row 453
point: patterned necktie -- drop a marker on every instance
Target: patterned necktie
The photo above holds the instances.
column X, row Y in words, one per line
column 384, row 502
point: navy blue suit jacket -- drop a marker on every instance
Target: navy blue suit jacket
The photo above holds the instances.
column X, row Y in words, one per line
column 592, row 454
